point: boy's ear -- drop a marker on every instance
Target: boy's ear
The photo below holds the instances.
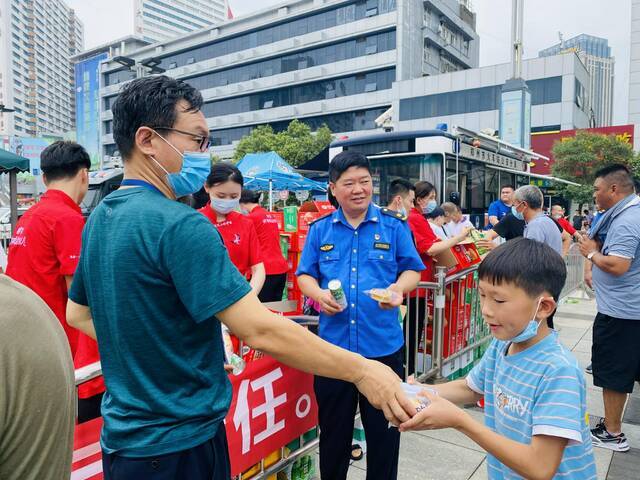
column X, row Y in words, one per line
column 547, row 306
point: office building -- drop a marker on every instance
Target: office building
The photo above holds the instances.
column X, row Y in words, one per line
column 37, row 39
column 634, row 70
column 159, row 20
column 330, row 62
column 471, row 98
column 595, row 53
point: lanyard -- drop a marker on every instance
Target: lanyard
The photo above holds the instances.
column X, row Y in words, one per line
column 140, row 183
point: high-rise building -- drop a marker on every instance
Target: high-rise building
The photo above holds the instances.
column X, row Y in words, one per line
column 37, row 39
column 331, row 61
column 634, row 70
column 595, row 53
column 157, row 20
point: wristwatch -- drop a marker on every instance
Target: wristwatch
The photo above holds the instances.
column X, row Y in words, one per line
column 591, row 254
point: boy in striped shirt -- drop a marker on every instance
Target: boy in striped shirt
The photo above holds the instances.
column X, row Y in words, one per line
column 536, row 423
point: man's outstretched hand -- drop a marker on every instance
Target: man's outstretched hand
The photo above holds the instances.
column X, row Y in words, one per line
column 382, row 388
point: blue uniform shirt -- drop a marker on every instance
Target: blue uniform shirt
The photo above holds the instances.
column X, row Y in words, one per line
column 155, row 273
column 371, row 256
column 498, row 209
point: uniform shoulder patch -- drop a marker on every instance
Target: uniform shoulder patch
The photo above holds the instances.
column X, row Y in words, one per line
column 393, row 213
column 321, row 218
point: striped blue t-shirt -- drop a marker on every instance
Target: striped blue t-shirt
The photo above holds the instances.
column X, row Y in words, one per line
column 540, row 391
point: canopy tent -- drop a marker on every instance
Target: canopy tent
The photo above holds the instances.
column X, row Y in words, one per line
column 268, row 171
column 12, row 164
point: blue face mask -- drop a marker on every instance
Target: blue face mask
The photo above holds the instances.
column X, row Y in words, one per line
column 531, row 330
column 430, row 207
column 191, row 177
column 223, row 205
column 516, row 213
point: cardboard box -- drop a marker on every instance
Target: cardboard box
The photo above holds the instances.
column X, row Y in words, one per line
column 458, row 257
column 279, row 217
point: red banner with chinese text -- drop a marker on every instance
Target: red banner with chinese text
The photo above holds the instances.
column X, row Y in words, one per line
column 542, row 143
column 272, row 405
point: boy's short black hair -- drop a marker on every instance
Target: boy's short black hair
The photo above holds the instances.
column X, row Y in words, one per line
column 400, row 186
column 62, row 160
column 344, row 161
column 149, row 102
column 528, row 264
column 249, row 196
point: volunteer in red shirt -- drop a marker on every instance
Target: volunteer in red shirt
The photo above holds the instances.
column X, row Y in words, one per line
column 45, row 248
column 275, row 265
column 557, row 213
column 224, row 187
column 428, row 246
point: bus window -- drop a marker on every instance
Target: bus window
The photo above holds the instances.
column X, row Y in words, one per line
column 410, row 167
column 491, row 186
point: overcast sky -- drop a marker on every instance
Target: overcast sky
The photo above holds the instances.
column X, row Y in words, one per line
column 103, row 22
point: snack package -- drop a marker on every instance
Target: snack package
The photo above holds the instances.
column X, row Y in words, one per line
column 230, row 357
column 412, row 392
column 383, row 295
column 477, row 236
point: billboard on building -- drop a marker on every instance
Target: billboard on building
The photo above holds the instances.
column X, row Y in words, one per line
column 543, row 142
column 87, row 83
column 29, row 148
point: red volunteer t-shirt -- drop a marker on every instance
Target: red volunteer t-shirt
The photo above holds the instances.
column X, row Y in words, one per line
column 240, row 238
column 566, row 226
column 424, row 238
column 269, row 237
column 44, row 249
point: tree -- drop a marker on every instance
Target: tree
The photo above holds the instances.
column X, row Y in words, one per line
column 297, row 144
column 577, row 159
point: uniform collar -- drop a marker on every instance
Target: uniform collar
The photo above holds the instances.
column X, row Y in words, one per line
column 63, row 197
column 373, row 215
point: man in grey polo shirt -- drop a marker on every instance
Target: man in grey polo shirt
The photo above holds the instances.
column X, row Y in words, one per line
column 613, row 247
column 528, row 207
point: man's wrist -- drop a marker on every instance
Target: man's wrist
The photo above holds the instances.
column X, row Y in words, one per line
column 591, row 254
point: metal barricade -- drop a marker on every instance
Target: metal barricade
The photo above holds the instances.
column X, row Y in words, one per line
column 444, row 330
column 575, row 273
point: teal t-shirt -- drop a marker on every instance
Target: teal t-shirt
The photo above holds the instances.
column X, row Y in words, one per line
column 155, row 273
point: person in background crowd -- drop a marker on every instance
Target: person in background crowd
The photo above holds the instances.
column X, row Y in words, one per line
column 499, row 208
column 578, row 221
column 528, row 207
column 535, row 395
column 45, row 248
column 37, row 388
column 558, row 214
column 363, row 246
column 154, row 282
column 458, row 220
column 588, row 218
column 275, row 265
column 224, row 186
column 613, row 248
column 428, row 246
column 438, row 220
column 401, row 196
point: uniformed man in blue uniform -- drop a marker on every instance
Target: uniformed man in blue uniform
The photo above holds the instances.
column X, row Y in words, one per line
column 363, row 246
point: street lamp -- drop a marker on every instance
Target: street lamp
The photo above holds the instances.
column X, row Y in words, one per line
column 141, row 67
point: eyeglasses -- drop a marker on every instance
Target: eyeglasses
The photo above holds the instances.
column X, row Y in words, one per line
column 203, row 141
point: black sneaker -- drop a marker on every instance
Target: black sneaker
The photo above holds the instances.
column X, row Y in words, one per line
column 589, row 369
column 603, row 439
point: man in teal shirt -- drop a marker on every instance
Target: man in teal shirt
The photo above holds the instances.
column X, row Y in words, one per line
column 153, row 283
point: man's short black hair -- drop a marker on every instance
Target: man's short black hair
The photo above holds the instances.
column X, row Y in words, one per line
column 149, row 102
column 249, row 196
column 344, row 161
column 400, row 186
column 618, row 174
column 62, row 160
column 507, row 186
column 512, row 263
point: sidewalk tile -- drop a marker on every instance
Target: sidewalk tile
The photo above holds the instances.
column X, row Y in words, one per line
column 603, row 459
column 625, row 466
column 481, row 473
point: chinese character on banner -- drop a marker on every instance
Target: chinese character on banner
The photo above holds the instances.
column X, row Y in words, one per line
column 272, row 405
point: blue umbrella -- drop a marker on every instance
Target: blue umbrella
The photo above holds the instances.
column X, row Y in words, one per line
column 266, row 171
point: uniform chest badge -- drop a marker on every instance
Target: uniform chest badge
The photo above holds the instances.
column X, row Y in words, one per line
column 382, row 245
column 327, row 247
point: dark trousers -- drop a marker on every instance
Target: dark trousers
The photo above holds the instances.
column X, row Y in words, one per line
column 337, row 402
column 417, row 311
column 273, row 288
column 89, row 408
column 208, row 461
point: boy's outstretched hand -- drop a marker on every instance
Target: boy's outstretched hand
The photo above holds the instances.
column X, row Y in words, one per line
column 440, row 413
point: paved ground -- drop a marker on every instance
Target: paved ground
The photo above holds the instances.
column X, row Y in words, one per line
column 449, row 455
